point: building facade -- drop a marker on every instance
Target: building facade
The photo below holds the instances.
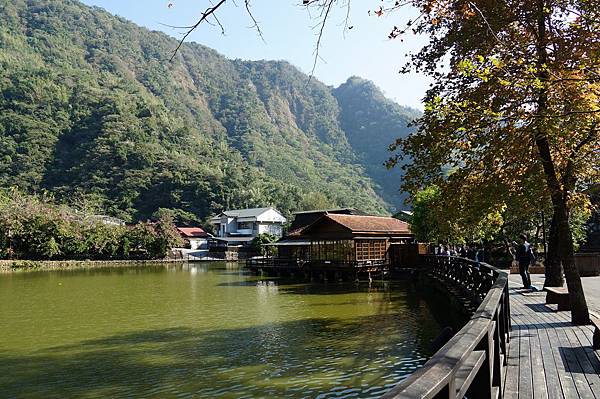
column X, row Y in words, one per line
column 194, row 237
column 242, row 225
column 342, row 241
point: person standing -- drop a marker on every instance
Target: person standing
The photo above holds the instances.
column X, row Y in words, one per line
column 525, row 258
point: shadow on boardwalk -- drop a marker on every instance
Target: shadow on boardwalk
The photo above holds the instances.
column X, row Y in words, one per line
column 548, row 356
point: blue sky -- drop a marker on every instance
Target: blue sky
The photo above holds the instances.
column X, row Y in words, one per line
column 289, row 35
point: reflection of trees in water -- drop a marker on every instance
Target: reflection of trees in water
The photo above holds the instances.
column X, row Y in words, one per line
column 267, row 360
column 291, row 358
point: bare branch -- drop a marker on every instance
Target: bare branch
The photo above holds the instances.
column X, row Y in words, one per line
column 346, row 27
column 255, row 23
column 325, row 11
column 486, row 22
column 209, row 11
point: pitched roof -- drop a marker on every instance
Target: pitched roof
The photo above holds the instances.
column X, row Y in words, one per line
column 349, row 211
column 382, row 224
column 365, row 224
column 192, row 232
column 246, row 213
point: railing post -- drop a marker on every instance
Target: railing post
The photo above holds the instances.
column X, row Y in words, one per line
column 499, row 349
column 482, row 385
column 502, row 327
column 448, row 392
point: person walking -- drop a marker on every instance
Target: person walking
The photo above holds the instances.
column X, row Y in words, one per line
column 525, row 257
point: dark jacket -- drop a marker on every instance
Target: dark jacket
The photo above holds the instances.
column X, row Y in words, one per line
column 525, row 253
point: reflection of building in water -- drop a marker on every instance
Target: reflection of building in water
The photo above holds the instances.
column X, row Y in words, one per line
column 195, row 269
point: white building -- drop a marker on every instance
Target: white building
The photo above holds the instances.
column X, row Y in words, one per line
column 245, row 224
column 194, row 237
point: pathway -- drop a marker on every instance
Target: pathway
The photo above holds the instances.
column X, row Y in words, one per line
column 548, row 357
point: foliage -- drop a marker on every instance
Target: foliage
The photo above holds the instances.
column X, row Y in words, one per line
column 425, row 224
column 34, row 227
column 262, row 239
column 90, row 108
column 514, row 113
column 481, row 119
column 179, row 217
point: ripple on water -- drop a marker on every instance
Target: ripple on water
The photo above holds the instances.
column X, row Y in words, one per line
column 168, row 332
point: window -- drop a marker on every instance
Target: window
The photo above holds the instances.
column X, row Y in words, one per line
column 245, row 226
column 370, row 249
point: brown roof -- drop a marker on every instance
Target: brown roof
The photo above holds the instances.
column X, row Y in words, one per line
column 192, row 232
column 379, row 224
column 359, row 224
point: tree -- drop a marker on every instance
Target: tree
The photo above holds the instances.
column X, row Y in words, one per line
column 424, row 224
column 516, row 91
column 260, row 240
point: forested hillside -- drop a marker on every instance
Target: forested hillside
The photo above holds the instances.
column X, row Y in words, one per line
column 371, row 123
column 90, row 108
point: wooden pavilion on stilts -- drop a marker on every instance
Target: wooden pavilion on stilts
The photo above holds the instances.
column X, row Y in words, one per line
column 340, row 247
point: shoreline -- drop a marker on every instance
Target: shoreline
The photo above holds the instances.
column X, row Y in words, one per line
column 15, row 266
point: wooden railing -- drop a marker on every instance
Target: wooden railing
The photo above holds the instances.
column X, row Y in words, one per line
column 472, row 362
column 290, row 263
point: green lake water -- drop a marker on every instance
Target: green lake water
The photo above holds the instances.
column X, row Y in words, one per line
column 207, row 331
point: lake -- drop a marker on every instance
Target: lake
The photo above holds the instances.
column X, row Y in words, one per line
column 208, row 330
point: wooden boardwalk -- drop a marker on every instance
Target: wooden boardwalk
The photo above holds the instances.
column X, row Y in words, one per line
column 548, row 357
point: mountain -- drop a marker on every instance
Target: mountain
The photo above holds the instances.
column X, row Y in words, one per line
column 371, row 123
column 91, row 110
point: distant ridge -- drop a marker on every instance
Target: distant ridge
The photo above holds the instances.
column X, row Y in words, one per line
column 90, row 110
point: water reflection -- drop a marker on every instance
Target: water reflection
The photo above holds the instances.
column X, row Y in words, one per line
column 207, row 330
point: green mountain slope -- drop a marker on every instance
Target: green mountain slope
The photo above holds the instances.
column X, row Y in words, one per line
column 371, row 123
column 91, row 109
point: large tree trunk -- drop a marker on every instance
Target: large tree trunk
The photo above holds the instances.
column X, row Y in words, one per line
column 552, row 264
column 579, row 309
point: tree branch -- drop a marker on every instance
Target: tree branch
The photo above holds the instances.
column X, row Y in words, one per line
column 209, row 11
column 255, row 23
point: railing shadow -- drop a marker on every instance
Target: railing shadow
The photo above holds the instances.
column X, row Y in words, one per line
column 539, row 308
column 573, row 358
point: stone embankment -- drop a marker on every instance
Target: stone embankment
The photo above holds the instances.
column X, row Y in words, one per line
column 9, row 266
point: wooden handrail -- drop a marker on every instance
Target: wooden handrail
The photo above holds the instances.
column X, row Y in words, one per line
column 472, row 362
column 293, row 262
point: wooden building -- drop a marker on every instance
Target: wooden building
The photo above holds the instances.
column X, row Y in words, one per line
column 337, row 242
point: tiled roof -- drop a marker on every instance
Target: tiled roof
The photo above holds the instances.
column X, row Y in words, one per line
column 366, row 224
column 192, row 232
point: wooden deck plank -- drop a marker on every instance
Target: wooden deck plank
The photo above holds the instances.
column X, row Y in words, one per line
column 550, row 370
column 593, row 356
column 535, row 364
column 511, row 381
column 525, row 377
column 538, row 369
column 589, row 364
column 552, row 322
column 555, row 323
column 575, row 353
column 573, row 366
column 555, row 358
column 566, row 380
column 543, row 367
